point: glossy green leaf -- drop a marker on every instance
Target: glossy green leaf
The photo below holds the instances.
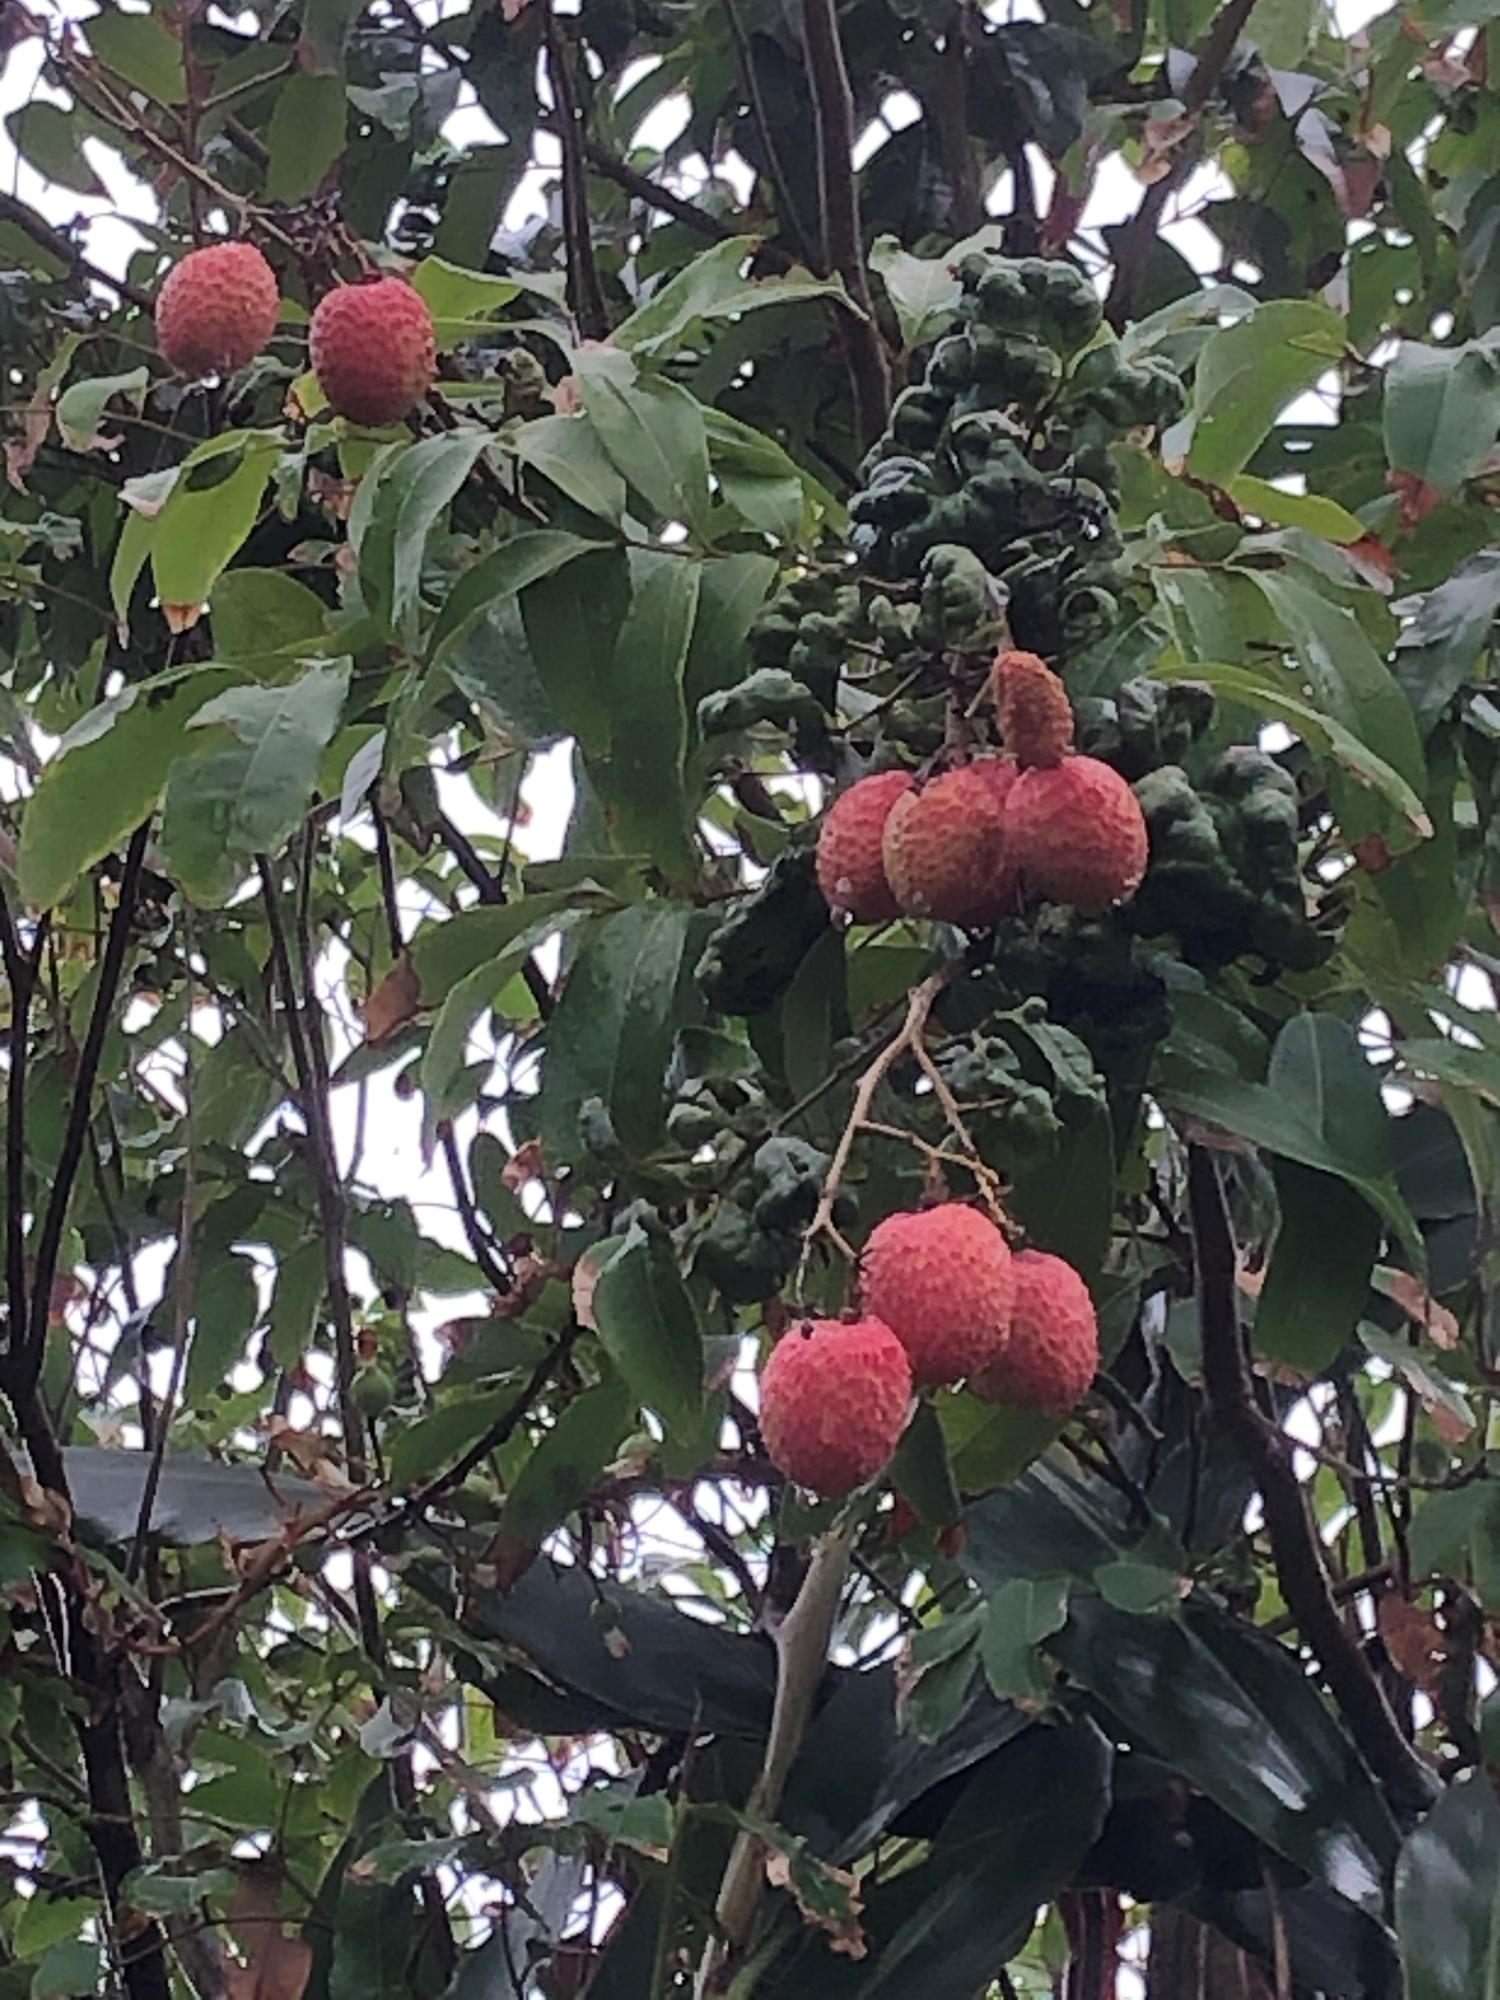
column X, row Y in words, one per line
column 1295, row 510
column 208, row 514
column 712, row 288
column 1237, row 1716
column 306, row 135
column 1247, row 375
column 443, row 954
column 415, row 490
column 1318, row 1280
column 105, row 777
column 925, row 291
column 1442, row 408
column 650, row 1331
column 520, row 561
column 641, row 782
column 246, row 790
column 653, row 432
column 80, row 407
column 566, row 1465
column 47, row 138
column 1448, row 1896
column 262, row 612
column 611, row 1034
column 141, row 49
column 567, row 451
column 461, row 301
column 1021, row 1614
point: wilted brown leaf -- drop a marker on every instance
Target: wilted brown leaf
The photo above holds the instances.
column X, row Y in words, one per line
column 1414, row 1299
column 394, row 1002
column 1414, row 1640
column 277, row 1964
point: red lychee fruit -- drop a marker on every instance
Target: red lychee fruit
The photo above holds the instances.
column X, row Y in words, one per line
column 834, row 1399
column 944, row 845
column 1076, row 833
column 1036, row 716
column 941, row 1280
column 851, row 872
column 1053, row 1352
column 373, row 349
column 216, row 309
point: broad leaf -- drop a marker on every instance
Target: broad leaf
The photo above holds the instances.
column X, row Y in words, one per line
column 649, row 1330
column 1247, row 375
column 1448, row 1896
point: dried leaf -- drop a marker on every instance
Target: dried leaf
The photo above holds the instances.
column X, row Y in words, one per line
column 828, row 1897
column 277, row 1963
column 1414, row 1299
column 1414, row 1640
column 394, row 1002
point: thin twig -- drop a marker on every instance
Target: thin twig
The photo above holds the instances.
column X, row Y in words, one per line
column 585, row 292
column 184, row 1288
column 504, row 1425
column 1295, row 1548
column 66, row 251
column 385, row 861
column 786, row 208
column 20, row 974
column 843, row 241
column 80, row 1111
column 492, row 890
column 487, row 1254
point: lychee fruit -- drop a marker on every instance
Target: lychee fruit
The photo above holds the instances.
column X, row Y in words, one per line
column 944, row 845
column 851, row 871
column 1053, row 1352
column 1076, row 834
column 216, row 309
column 834, row 1399
column 373, row 349
column 1035, row 714
column 941, row 1280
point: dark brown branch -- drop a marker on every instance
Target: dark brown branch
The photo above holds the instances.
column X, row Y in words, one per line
column 585, row 293
column 20, row 976
column 480, row 1241
column 504, row 1425
column 1140, row 232
column 1295, row 1548
column 312, row 1096
column 843, row 242
column 643, row 188
column 492, row 890
column 386, row 863
column 80, row 1112
column 66, row 251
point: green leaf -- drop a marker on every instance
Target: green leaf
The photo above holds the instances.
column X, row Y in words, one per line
column 610, row 1036
column 1320, row 1106
column 141, row 49
column 565, row 1466
column 1236, row 1716
column 573, row 623
column 641, row 783
column 225, row 1307
column 989, row 1446
column 415, row 490
column 626, row 1820
column 258, row 613
column 69, row 1969
column 1295, row 510
column 47, row 138
column 1142, row 1588
column 649, row 1330
column 1440, row 647
column 653, row 432
column 1247, row 375
column 105, row 777
column 921, row 1473
column 712, row 288
column 1444, row 1523
column 208, row 515
column 247, row 793
column 306, row 134
column 444, row 953
column 567, row 451
column 441, row 1437
column 1022, row 1613
column 1318, row 1281
column 461, row 301
column 1259, row 690
column 756, row 477
column 1442, row 409
column 732, row 591
column 1448, row 1896
column 519, row 562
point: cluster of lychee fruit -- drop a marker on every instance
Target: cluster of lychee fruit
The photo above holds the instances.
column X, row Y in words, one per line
column 967, row 844
column 372, row 345
column 943, row 1299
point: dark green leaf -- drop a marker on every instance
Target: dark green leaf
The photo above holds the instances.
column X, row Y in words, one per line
column 520, row 561
column 1442, row 409
column 566, row 1464
column 257, row 612
column 1319, row 1276
column 1247, row 375
column 641, row 782
column 652, row 430
column 1448, row 1896
column 649, row 1329
column 1022, row 1613
column 306, row 135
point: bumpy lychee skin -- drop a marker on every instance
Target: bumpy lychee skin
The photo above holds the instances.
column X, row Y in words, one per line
column 1053, row 1352
column 944, row 845
column 851, row 870
column 373, row 349
column 216, row 309
column 834, row 1400
column 1035, row 714
column 941, row 1280
column 1077, row 834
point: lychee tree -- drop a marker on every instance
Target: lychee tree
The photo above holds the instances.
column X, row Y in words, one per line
column 748, row 890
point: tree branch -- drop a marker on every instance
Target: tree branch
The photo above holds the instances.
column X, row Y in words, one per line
column 498, row 1278
column 492, row 890
column 504, row 1425
column 843, row 242
column 80, row 1111
column 66, row 251
column 585, row 293
column 1140, row 232
column 1295, row 1547
column 20, row 975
